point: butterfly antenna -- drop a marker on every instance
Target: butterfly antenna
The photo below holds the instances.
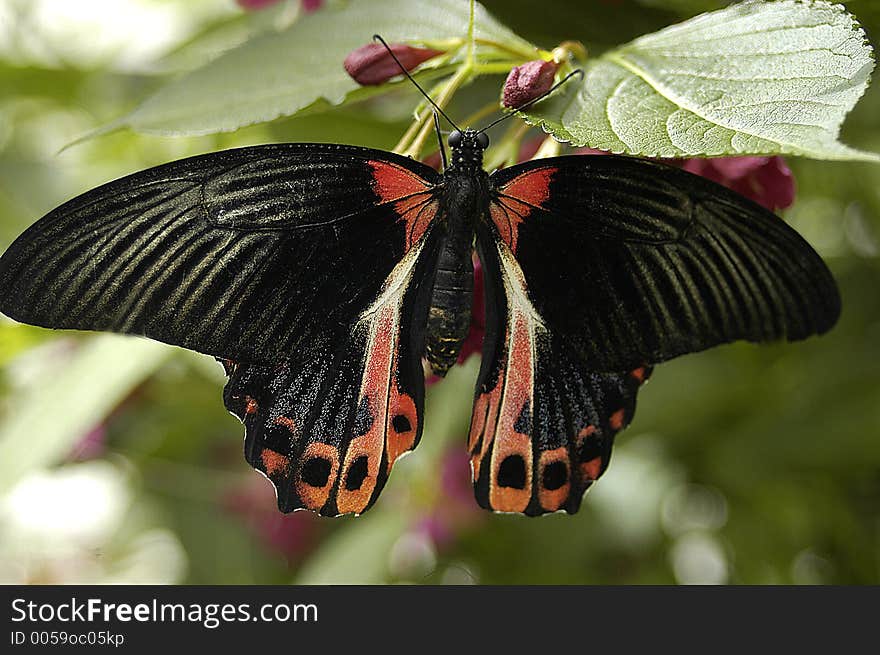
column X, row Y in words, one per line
column 403, row 70
column 440, row 141
column 534, row 100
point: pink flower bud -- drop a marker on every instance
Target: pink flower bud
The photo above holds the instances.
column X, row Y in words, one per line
column 371, row 64
column 255, row 5
column 527, row 82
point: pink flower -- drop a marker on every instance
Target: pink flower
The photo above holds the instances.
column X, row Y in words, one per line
column 766, row 180
column 527, row 82
column 311, row 5
column 371, row 64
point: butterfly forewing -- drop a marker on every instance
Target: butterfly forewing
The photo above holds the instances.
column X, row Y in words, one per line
column 631, row 261
column 232, row 254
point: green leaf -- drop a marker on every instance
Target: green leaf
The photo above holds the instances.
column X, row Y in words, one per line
column 70, row 400
column 281, row 74
column 754, row 78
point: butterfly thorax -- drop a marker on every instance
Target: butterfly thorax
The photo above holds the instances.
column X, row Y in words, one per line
column 464, row 198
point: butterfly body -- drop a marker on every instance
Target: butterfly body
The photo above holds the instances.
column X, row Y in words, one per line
column 322, row 274
column 464, row 201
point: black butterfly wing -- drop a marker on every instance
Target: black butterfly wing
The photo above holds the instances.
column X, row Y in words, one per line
column 297, row 262
column 650, row 262
column 232, row 254
column 595, row 268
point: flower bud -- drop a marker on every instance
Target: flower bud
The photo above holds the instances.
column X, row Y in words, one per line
column 371, row 64
column 255, row 5
column 527, row 82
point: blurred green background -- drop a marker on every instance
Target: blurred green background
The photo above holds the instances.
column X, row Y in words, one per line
column 118, row 463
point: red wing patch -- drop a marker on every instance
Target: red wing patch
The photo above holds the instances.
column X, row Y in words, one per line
column 515, row 200
column 500, row 436
column 413, row 198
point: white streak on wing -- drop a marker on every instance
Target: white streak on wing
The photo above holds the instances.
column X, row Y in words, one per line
column 516, row 287
column 395, row 284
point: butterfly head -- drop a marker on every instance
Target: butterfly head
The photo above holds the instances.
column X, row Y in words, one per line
column 467, row 148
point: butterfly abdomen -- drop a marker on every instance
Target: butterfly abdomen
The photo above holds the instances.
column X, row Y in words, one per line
column 449, row 317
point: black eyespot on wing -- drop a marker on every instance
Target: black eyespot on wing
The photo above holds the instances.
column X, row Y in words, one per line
column 555, row 475
column 512, row 472
column 316, row 471
column 357, row 473
column 401, row 423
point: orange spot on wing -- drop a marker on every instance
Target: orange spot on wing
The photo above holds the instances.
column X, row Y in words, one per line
column 510, row 499
column 273, row 462
column 586, row 432
column 314, row 498
column 287, row 422
column 251, row 406
column 517, row 199
column 392, row 182
column 639, row 374
column 401, row 404
column 592, row 469
column 552, row 499
column 532, row 187
column 616, row 420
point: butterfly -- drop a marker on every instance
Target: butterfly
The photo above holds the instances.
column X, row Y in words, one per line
column 322, row 275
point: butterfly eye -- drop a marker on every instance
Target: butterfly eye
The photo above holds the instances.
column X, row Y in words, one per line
column 483, row 140
column 455, row 139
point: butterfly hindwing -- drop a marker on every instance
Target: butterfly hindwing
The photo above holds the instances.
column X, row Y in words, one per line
column 327, row 425
column 543, row 423
column 305, row 268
